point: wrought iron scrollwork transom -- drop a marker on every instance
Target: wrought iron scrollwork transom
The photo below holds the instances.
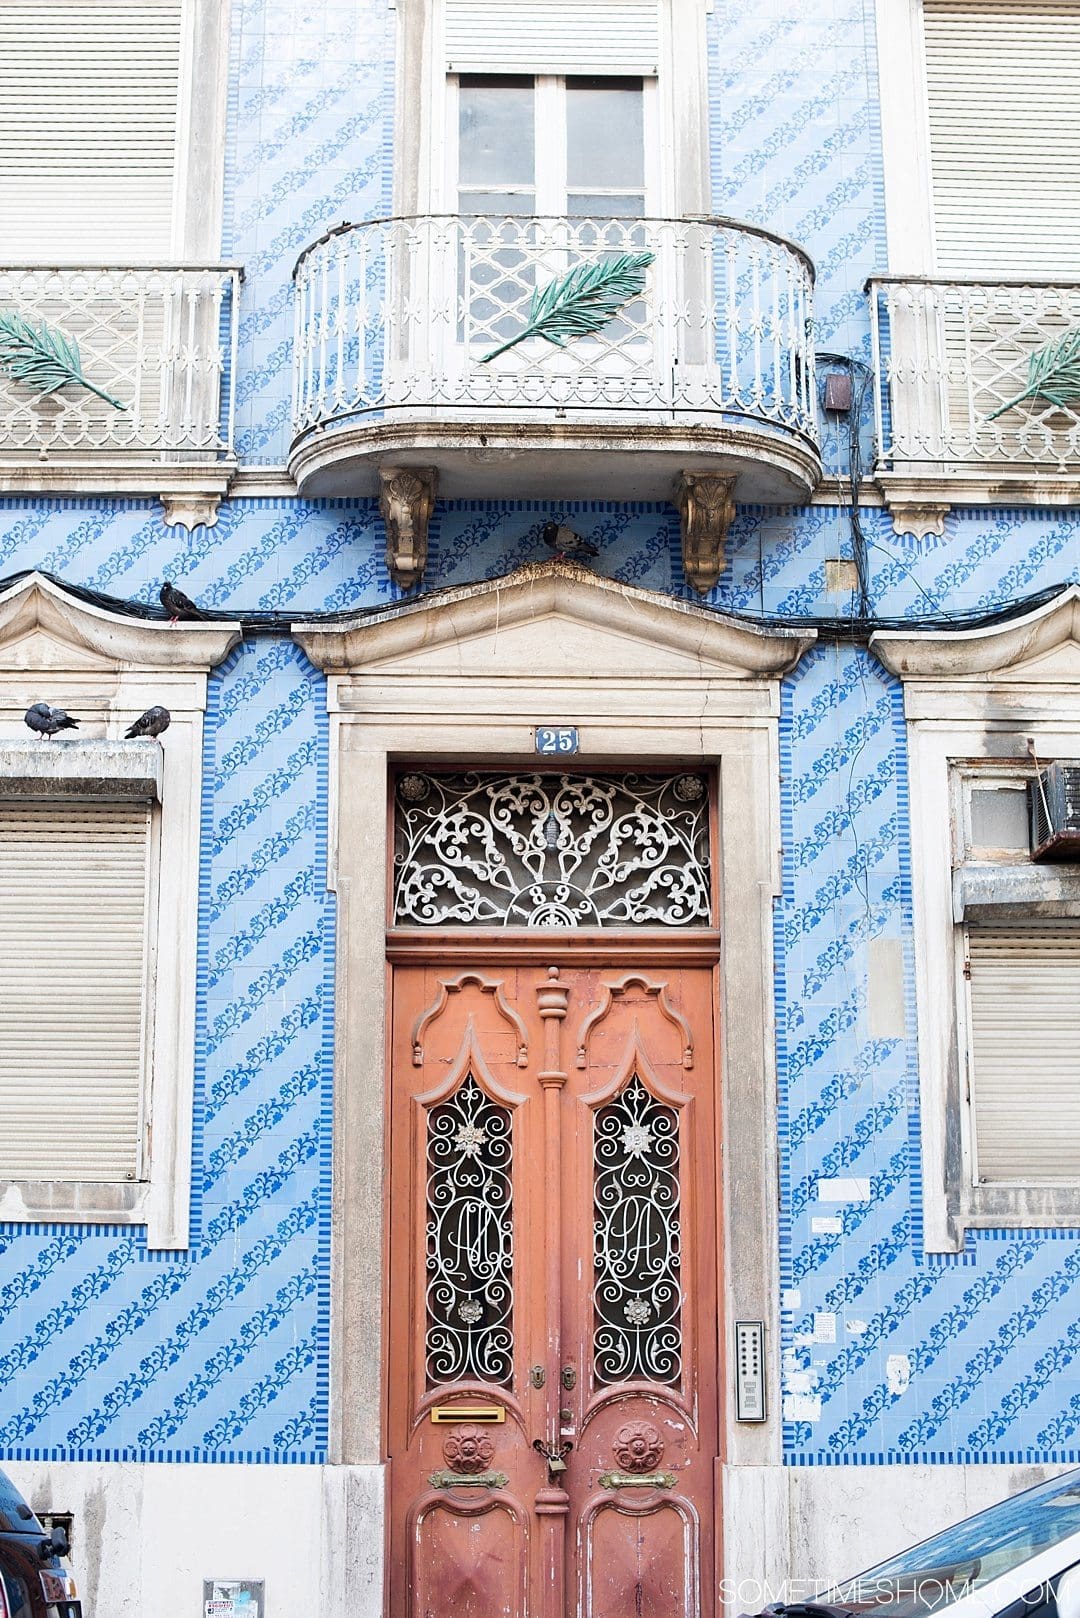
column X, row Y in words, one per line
column 538, row 850
column 637, row 1298
column 469, row 1239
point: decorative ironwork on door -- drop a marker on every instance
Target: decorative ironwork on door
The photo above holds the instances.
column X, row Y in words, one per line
column 637, row 1297
column 538, row 850
column 469, row 1240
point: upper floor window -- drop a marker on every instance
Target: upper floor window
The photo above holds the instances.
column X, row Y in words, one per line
column 553, row 145
column 552, row 108
column 113, row 129
column 1002, row 85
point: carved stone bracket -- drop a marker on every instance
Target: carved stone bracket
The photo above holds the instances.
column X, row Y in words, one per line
column 406, row 500
column 920, row 521
column 706, row 506
column 190, row 510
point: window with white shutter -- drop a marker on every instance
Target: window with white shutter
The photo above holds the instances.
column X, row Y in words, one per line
column 1003, row 85
column 75, row 881
column 996, row 931
column 552, row 36
column 1024, row 1050
column 89, row 100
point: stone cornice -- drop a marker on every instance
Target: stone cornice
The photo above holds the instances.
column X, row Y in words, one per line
column 1021, row 650
column 725, row 647
column 35, row 603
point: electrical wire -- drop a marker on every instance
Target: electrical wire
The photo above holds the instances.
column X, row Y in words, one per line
column 828, row 628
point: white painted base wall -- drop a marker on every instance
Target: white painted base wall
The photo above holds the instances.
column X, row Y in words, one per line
column 146, row 1537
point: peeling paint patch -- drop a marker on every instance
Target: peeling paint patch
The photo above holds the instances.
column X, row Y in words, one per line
column 853, row 1190
column 898, row 1373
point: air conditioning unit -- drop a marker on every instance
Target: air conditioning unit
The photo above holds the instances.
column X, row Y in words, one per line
column 1055, row 812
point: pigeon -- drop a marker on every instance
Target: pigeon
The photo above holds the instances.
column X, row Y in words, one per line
column 47, row 721
column 565, row 543
column 151, row 723
column 177, row 604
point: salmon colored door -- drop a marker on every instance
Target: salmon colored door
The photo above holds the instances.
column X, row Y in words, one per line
column 554, row 1275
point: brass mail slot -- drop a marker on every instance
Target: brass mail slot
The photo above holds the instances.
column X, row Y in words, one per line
column 468, row 1413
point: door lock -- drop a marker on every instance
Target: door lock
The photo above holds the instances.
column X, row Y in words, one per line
column 568, row 1377
column 555, row 1458
column 538, row 1376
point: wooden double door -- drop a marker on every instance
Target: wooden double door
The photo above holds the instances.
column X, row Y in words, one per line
column 554, row 1339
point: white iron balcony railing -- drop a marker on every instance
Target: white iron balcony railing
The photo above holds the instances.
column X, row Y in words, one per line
column 413, row 320
column 157, row 347
column 953, row 360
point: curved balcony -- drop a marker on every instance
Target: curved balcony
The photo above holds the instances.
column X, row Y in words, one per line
column 406, row 356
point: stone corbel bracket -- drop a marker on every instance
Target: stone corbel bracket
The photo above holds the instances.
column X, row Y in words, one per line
column 706, row 506
column 190, row 510
column 406, row 500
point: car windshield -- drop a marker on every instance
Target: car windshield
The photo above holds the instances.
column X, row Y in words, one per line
column 958, row 1561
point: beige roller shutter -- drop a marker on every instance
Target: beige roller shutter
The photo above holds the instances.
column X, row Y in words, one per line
column 88, row 113
column 73, row 900
column 1025, row 1051
column 552, row 36
column 1003, row 85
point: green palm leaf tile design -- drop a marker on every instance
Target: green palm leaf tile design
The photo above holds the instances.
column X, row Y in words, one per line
column 42, row 357
column 1053, row 374
column 583, row 300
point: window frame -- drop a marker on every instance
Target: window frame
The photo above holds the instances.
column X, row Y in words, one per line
column 549, row 163
column 425, row 171
column 108, row 668
column 972, row 700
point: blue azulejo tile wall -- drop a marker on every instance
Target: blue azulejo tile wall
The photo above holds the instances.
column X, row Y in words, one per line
column 310, row 130
column 219, row 1352
column 889, row 1355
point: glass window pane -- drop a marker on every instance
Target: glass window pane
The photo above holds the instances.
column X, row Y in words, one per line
column 604, row 133
column 495, row 132
column 590, row 205
column 999, row 818
column 496, row 202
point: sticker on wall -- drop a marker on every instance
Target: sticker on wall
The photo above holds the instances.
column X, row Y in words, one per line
column 233, row 1598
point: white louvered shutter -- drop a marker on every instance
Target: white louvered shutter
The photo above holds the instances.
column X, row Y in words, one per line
column 73, row 901
column 1003, row 85
column 552, row 36
column 1025, row 1051
column 88, row 115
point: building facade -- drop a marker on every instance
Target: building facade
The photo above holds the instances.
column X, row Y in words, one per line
column 573, row 972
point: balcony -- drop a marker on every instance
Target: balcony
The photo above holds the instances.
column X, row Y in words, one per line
column 956, row 423
column 155, row 348
column 406, row 357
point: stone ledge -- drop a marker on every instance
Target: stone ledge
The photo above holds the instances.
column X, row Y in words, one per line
column 102, row 770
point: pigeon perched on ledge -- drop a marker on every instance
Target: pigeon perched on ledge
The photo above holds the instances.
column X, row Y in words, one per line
column 565, row 543
column 151, row 723
column 46, row 721
column 177, row 604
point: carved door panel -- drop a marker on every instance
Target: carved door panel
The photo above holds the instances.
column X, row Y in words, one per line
column 553, row 1316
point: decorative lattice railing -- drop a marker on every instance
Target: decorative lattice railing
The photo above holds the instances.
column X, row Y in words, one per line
column 405, row 314
column 158, row 343
column 953, row 362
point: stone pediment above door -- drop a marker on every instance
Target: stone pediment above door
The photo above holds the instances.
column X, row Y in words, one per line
column 554, row 622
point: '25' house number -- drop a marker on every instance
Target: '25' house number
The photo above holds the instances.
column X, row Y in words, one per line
column 560, row 739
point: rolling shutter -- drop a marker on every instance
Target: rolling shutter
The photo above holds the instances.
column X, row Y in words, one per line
column 1025, row 1051
column 88, row 108
column 1003, row 86
column 552, row 36
column 73, row 877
